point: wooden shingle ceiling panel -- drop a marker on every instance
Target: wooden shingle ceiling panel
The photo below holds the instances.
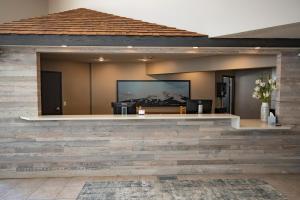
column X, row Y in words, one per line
column 89, row 22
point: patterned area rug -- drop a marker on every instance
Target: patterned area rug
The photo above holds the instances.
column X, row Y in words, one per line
column 221, row 189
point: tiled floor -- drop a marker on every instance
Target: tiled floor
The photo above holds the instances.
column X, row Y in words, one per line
column 68, row 188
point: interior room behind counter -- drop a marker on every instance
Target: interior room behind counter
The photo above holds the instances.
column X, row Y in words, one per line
column 98, row 87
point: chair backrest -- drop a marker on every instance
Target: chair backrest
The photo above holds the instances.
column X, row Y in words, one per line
column 192, row 105
column 131, row 108
column 117, row 107
column 207, row 105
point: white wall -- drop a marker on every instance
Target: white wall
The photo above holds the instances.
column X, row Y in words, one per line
column 212, row 17
column 11, row 10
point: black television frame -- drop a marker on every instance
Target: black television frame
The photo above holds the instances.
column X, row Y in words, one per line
column 188, row 81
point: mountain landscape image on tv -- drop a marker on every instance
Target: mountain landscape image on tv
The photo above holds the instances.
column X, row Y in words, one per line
column 154, row 92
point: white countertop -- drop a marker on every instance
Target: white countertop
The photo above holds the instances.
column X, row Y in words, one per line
column 128, row 117
column 245, row 124
column 250, row 124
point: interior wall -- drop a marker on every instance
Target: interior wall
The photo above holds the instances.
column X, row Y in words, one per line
column 213, row 17
column 104, row 77
column 246, row 106
column 75, row 85
column 212, row 63
column 12, row 10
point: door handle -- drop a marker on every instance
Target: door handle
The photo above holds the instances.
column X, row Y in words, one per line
column 57, row 108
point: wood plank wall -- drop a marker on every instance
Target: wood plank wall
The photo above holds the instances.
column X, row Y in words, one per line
column 288, row 99
column 18, row 83
column 90, row 148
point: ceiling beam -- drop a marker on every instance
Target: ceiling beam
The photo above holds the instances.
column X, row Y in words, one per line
column 151, row 41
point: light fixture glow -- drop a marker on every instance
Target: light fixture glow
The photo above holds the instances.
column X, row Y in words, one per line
column 299, row 54
column 64, row 45
column 101, row 59
column 129, row 47
column 146, row 59
column 143, row 59
column 195, row 47
column 257, row 48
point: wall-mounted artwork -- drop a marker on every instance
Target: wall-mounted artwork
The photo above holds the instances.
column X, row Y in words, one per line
column 154, row 92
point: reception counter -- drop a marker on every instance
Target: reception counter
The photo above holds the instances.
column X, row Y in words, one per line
column 234, row 120
column 129, row 117
column 111, row 145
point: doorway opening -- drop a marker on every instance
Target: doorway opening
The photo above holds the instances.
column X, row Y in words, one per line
column 51, row 93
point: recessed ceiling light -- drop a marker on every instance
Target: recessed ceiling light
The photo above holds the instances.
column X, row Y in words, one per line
column 64, row 45
column 195, row 47
column 257, row 48
column 129, row 47
column 144, row 59
column 101, row 59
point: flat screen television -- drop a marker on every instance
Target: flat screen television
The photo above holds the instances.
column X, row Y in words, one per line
column 154, row 92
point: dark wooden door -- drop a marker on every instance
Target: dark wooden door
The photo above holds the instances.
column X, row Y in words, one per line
column 51, row 92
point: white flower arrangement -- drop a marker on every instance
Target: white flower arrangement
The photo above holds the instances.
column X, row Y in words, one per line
column 264, row 88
